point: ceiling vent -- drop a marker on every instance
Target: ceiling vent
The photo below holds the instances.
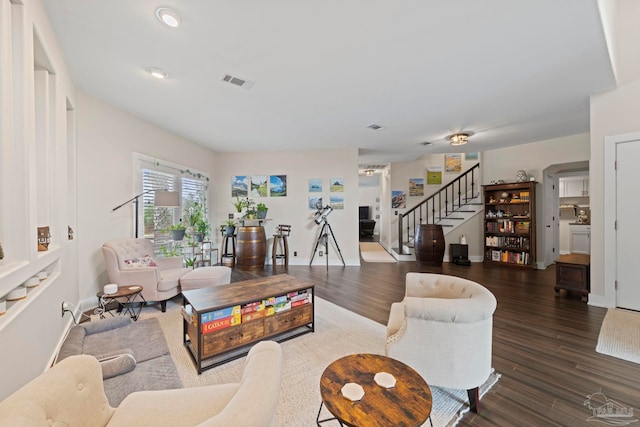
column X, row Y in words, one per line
column 375, row 167
column 246, row 84
column 375, row 127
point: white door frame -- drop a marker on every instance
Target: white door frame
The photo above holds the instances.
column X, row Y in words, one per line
column 610, row 214
column 550, row 193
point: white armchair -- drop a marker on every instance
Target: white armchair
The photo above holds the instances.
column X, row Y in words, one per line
column 443, row 329
column 160, row 282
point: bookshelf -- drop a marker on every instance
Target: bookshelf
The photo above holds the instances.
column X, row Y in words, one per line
column 510, row 224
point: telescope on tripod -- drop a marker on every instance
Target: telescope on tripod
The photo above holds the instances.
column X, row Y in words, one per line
column 321, row 215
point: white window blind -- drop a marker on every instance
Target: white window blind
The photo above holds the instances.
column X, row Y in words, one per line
column 157, row 220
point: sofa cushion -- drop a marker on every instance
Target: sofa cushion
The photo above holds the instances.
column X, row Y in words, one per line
column 204, row 277
column 170, row 279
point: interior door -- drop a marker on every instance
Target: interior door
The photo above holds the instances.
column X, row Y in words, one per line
column 551, row 221
column 628, row 226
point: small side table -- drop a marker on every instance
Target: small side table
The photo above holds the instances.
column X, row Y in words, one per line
column 573, row 274
column 408, row 403
column 125, row 299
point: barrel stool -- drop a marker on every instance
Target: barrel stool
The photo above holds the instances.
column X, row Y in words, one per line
column 281, row 236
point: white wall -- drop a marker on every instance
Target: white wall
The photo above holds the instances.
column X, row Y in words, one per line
column 36, row 163
column 293, row 209
column 107, row 139
column 612, row 113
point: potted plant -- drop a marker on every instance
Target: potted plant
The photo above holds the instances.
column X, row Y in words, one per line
column 250, row 208
column 261, row 210
column 177, row 231
column 228, row 228
column 239, row 205
column 201, row 230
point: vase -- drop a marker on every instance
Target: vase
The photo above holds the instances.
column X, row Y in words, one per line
column 262, row 214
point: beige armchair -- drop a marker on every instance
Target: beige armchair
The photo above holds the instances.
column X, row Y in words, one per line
column 71, row 394
column 125, row 261
column 443, row 329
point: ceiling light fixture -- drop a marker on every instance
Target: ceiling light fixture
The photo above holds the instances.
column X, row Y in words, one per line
column 459, row 138
column 158, row 73
column 369, row 172
column 168, row 17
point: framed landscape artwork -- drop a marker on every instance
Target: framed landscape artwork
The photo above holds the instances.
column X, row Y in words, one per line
column 434, row 175
column 337, row 201
column 315, row 185
column 278, row 185
column 315, row 202
column 239, row 186
column 398, row 199
column 452, row 163
column 259, row 186
column 416, row 186
column 337, row 185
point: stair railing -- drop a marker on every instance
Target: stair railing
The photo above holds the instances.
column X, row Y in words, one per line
column 439, row 205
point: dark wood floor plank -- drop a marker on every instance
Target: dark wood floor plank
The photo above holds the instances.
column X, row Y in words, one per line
column 544, row 344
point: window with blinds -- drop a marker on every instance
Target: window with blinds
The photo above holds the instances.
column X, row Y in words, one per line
column 157, row 220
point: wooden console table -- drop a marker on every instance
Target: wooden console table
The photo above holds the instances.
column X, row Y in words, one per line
column 234, row 341
column 573, row 274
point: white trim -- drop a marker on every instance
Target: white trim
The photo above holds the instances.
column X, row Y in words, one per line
column 609, row 218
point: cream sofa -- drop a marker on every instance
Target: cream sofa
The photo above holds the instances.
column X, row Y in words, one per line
column 443, row 329
column 71, row 394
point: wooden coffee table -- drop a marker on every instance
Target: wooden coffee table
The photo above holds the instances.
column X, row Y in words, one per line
column 408, row 403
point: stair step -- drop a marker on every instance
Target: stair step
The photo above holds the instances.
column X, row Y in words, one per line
column 458, row 219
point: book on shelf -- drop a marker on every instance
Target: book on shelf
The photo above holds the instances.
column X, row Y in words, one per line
column 216, row 325
column 282, row 306
column 188, row 314
column 300, row 302
column 275, row 300
column 220, row 314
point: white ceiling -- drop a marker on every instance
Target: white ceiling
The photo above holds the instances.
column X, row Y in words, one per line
column 511, row 71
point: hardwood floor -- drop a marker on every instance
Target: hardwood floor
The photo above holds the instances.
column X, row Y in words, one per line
column 543, row 345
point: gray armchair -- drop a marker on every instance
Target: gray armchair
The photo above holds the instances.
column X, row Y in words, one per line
column 125, row 263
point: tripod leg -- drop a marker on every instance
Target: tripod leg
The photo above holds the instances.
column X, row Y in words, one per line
column 317, row 243
column 336, row 242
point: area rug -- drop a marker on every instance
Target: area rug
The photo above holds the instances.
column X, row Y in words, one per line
column 374, row 252
column 338, row 332
column 620, row 335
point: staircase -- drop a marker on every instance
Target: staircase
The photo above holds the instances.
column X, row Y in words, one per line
column 451, row 206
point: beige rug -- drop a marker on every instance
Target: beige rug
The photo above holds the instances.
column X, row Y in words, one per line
column 620, row 335
column 338, row 332
column 374, row 252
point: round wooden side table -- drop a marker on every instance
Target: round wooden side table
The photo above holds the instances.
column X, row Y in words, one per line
column 408, row 403
column 125, row 299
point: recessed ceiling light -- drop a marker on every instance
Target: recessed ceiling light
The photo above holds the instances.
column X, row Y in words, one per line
column 158, row 73
column 168, row 16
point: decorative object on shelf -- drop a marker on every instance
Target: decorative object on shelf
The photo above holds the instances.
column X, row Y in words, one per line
column 228, row 228
column 1, row 252
column 261, row 210
column 352, row 391
column 521, row 176
column 497, row 181
column 17, row 294
column 385, row 379
column 32, row 282
column 177, row 231
column 69, row 232
column 43, row 275
column 44, row 238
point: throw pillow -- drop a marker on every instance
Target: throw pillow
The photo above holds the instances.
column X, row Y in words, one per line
column 145, row 261
column 117, row 365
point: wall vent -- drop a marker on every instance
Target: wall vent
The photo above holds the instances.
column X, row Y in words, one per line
column 245, row 84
